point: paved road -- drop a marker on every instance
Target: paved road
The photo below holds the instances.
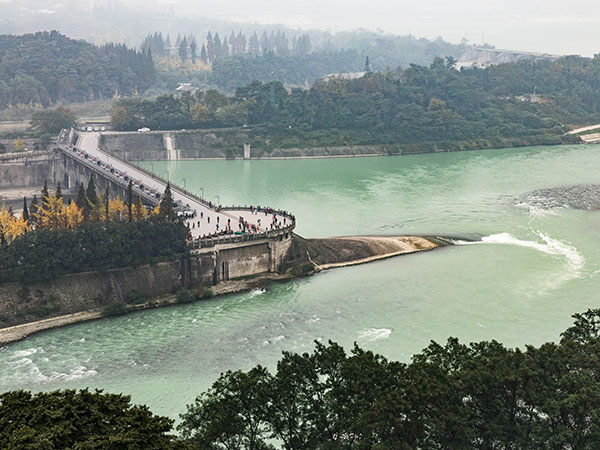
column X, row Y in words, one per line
column 206, row 220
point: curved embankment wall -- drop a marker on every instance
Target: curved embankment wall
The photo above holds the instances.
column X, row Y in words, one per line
column 22, row 303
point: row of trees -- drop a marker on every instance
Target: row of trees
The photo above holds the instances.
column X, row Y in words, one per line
column 216, row 48
column 454, row 396
column 47, row 67
column 420, row 104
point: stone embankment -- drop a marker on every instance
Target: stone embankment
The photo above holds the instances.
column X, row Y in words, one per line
column 67, row 300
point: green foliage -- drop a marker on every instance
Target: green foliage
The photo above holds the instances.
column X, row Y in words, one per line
column 83, row 420
column 115, row 309
column 47, row 67
column 135, row 298
column 435, row 108
column 47, row 254
column 185, row 296
column 51, row 121
column 454, row 396
column 204, row 292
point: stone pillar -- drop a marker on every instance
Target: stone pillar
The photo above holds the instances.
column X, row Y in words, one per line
column 246, row 150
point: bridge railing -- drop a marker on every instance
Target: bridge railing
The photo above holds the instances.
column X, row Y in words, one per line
column 104, row 173
column 237, row 238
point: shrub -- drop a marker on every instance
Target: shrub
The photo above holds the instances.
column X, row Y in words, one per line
column 204, row 292
column 135, row 298
column 116, row 309
column 185, row 296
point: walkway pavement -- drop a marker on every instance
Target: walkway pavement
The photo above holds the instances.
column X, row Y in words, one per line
column 206, row 220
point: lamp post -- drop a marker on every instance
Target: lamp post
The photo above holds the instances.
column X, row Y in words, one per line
column 167, row 172
column 184, row 184
column 202, row 195
column 218, row 200
column 152, row 167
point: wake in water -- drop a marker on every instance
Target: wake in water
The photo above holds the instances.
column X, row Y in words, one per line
column 574, row 260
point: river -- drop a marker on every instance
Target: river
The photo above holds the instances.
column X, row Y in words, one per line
column 528, row 270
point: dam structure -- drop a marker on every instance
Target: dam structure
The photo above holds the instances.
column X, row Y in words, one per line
column 225, row 242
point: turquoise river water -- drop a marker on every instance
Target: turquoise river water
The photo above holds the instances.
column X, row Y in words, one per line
column 529, row 269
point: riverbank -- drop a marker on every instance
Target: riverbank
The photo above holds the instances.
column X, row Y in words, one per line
column 307, row 257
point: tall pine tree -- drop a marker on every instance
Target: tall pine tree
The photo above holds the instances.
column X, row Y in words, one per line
column 130, row 201
column 25, row 213
column 166, row 208
column 91, row 194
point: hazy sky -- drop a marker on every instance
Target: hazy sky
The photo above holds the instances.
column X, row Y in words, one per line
column 553, row 26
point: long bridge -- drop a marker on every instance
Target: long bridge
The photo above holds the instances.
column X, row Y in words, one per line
column 213, row 228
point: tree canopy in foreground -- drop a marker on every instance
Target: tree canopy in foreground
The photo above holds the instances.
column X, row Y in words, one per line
column 453, row 396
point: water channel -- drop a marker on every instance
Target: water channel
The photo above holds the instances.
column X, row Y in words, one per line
column 529, row 268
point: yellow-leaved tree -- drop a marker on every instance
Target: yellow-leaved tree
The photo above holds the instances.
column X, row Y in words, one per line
column 17, row 227
column 117, row 210
column 52, row 216
column 73, row 216
column 11, row 227
column 139, row 210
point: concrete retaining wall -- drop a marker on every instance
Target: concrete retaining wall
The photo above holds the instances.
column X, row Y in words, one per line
column 30, row 169
column 93, row 290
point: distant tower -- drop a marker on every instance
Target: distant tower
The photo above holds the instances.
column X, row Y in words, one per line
column 367, row 65
column 246, row 150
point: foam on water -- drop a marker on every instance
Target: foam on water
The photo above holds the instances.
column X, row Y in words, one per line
column 574, row 260
column 374, row 334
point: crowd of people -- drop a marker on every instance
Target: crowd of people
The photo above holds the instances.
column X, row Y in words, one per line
column 276, row 220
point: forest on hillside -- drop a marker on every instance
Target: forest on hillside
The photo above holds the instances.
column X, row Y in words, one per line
column 490, row 107
column 47, row 67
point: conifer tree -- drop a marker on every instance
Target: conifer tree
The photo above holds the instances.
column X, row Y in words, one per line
column 33, row 210
column 193, row 49
column 58, row 190
column 106, row 204
column 130, row 201
column 203, row 56
column 183, row 50
column 166, row 208
column 25, row 214
column 91, row 194
column 210, row 47
column 45, row 193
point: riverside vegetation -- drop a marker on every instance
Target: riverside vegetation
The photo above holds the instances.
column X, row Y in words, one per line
column 417, row 109
column 51, row 239
column 477, row 396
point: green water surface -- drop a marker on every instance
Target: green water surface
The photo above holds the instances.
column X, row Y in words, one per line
column 520, row 284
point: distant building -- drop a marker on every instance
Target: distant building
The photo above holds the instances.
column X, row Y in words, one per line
column 186, row 87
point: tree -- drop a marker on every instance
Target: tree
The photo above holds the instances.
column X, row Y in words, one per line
column 33, row 210
column 91, row 194
column 58, row 190
column 193, row 50
column 25, row 213
column 166, row 208
column 367, row 65
column 203, row 55
column 51, row 121
column 19, row 146
column 130, row 201
column 86, row 420
column 183, row 50
column 139, row 210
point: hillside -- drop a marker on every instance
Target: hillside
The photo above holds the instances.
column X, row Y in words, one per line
column 47, row 67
